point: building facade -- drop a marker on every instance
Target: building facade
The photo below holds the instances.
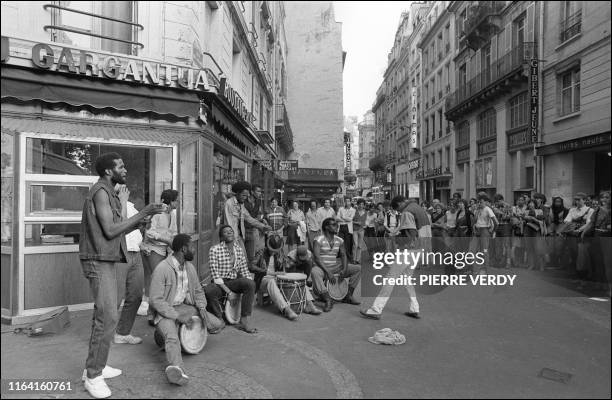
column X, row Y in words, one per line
column 191, row 109
column 315, row 64
column 437, row 48
column 367, row 133
column 489, row 107
column 574, row 148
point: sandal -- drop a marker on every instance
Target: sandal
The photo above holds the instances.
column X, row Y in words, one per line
column 244, row 328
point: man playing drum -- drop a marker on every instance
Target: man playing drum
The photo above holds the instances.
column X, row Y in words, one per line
column 267, row 264
column 327, row 247
column 176, row 295
column 229, row 269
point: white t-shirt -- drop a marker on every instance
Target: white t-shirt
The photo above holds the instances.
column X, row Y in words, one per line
column 484, row 217
column 134, row 238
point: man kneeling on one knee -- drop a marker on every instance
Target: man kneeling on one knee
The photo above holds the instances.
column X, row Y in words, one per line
column 268, row 263
column 327, row 247
column 230, row 273
column 175, row 296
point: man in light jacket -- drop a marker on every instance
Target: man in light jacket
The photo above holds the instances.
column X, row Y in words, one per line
column 175, row 296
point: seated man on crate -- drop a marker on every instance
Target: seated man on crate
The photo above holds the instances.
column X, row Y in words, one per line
column 176, row 295
column 266, row 265
column 230, row 273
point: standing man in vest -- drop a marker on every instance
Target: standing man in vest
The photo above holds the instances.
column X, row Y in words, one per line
column 102, row 245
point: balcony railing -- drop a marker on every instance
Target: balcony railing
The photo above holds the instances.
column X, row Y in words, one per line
column 284, row 134
column 483, row 21
column 500, row 69
column 571, row 26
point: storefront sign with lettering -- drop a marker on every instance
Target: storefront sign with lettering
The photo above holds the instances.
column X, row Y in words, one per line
column 413, row 119
column 414, row 164
column 534, row 93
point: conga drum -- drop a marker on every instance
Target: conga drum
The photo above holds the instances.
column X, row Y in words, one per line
column 193, row 339
column 293, row 287
column 338, row 290
column 233, row 308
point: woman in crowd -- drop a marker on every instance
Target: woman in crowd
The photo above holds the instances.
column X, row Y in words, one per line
column 558, row 213
column 380, row 219
column 519, row 211
column 533, row 231
column 371, row 217
column 464, row 219
column 155, row 246
column 295, row 216
column 599, row 228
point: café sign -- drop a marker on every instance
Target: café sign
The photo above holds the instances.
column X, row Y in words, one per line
column 414, row 164
column 119, row 68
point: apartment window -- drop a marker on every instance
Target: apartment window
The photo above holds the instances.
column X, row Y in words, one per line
column 448, row 157
column 571, row 20
column 462, row 76
column 440, row 119
column 426, row 130
column 519, row 29
column 432, row 87
column 447, row 38
column 439, row 158
column 519, row 110
column 440, row 84
column 88, row 18
column 448, row 78
column 463, row 134
column 440, row 44
column 461, row 22
column 433, row 127
column 487, row 124
column 570, row 91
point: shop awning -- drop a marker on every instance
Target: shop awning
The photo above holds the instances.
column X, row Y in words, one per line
column 227, row 122
column 94, row 131
column 79, row 90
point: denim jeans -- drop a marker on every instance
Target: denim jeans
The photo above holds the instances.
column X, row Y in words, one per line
column 168, row 328
column 134, row 282
column 102, row 278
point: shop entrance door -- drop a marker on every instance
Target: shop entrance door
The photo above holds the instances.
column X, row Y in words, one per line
column 189, row 194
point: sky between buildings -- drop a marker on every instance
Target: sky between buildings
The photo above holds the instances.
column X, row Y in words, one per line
column 368, row 32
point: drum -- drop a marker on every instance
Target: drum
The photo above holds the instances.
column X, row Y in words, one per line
column 193, row 339
column 293, row 287
column 233, row 308
column 339, row 290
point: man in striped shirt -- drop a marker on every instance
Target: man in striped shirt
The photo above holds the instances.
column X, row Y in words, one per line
column 276, row 217
column 327, row 247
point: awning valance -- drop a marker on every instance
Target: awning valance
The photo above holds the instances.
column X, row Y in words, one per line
column 77, row 90
column 90, row 130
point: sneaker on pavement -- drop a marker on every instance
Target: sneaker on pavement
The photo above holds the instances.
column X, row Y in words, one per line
column 97, row 387
column 142, row 310
column 310, row 308
column 127, row 339
column 370, row 313
column 107, row 373
column 176, row 375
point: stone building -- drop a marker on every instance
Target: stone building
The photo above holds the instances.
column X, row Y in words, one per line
column 367, row 133
column 574, row 148
column 315, row 63
column 185, row 91
column 495, row 41
column 437, row 48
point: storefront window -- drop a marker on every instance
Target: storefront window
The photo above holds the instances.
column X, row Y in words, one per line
column 149, row 169
column 7, row 188
column 59, row 174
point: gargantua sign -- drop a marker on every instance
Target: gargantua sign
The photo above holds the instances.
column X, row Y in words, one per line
column 87, row 63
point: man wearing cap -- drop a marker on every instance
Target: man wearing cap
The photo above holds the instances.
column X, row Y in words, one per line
column 266, row 265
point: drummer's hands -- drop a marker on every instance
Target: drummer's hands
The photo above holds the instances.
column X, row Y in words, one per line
column 332, row 279
column 188, row 321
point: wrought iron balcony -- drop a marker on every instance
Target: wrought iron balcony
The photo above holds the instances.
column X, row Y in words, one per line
column 483, row 21
column 436, row 172
column 284, row 134
column 571, row 26
column 497, row 79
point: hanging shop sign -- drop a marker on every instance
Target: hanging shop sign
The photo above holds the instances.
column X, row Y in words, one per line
column 319, row 174
column 348, row 155
column 414, row 164
column 413, row 120
column 234, row 100
column 414, row 190
column 280, row 165
column 534, row 91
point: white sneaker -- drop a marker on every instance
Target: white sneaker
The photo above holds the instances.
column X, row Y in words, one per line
column 107, row 373
column 97, row 387
column 176, row 375
column 127, row 339
column 143, row 309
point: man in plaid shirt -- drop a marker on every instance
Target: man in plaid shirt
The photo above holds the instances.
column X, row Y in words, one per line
column 230, row 273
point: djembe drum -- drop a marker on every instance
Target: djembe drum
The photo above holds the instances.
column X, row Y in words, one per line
column 192, row 339
column 233, row 308
column 293, row 287
column 337, row 291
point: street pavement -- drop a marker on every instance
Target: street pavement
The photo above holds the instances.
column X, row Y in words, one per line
column 483, row 342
